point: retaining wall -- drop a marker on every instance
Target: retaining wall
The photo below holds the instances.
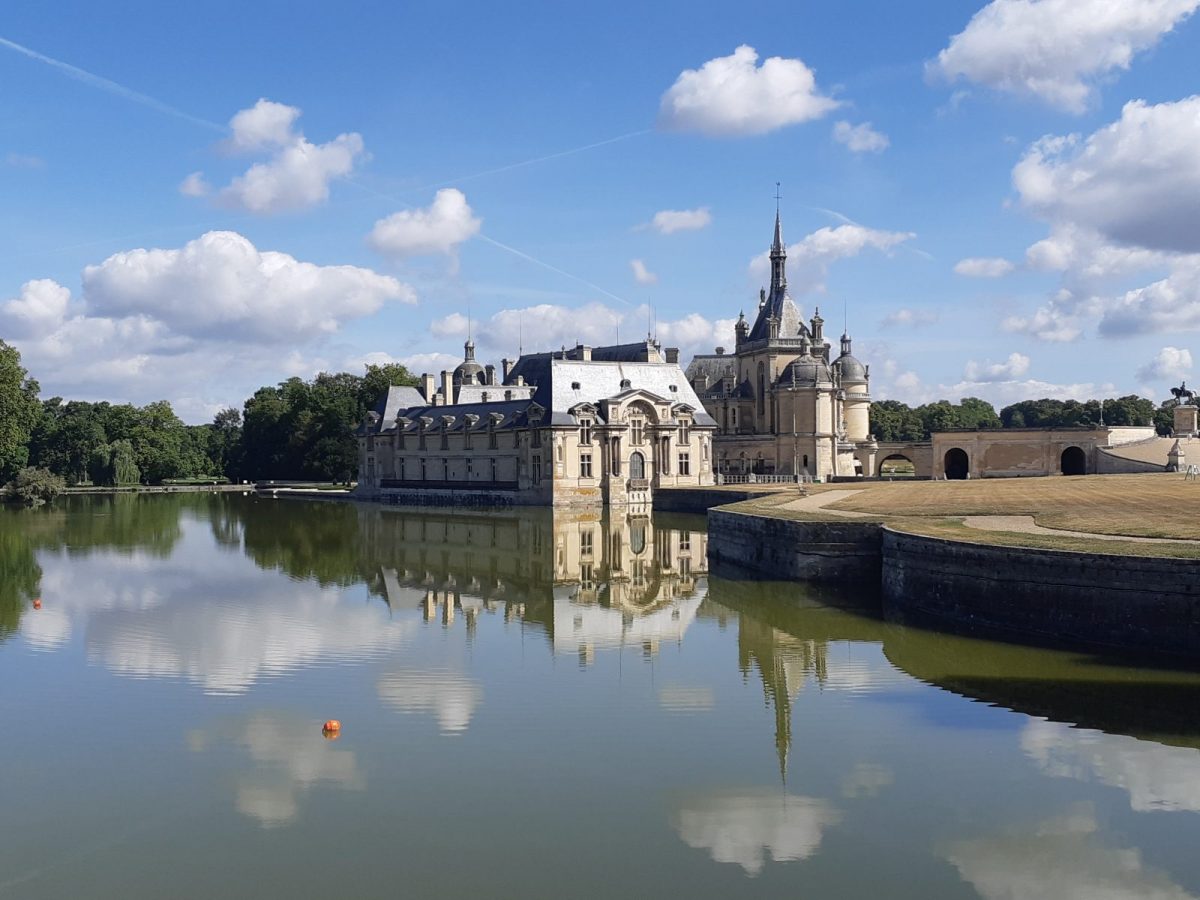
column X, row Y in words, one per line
column 801, row 551
column 696, row 500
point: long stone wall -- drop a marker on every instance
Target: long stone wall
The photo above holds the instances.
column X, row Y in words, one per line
column 1134, row 603
column 821, row 552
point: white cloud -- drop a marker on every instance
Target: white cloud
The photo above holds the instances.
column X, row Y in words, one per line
column 1135, row 181
column 983, row 267
column 731, row 95
column 1011, row 369
column 860, row 138
column 1168, row 364
column 194, row 186
column 1086, row 257
column 909, row 318
column 1166, row 306
column 41, row 307
column 668, row 221
column 446, row 223
column 641, row 274
column 264, row 126
column 449, row 326
column 809, row 260
column 297, row 175
column 1056, row 50
column 221, row 283
column 746, row 828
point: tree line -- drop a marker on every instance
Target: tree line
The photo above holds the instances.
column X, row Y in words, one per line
column 296, row 430
column 892, row 420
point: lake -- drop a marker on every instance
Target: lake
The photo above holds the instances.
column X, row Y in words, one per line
column 541, row 705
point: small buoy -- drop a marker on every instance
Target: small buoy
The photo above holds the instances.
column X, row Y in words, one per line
column 332, row 729
column 37, row 604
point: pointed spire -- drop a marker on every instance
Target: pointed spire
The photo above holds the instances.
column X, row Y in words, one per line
column 777, row 244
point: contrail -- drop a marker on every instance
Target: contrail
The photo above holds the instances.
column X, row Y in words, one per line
column 110, row 86
column 545, row 265
column 535, row 160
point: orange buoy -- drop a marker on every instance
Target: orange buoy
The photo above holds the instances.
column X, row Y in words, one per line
column 332, row 729
column 37, row 604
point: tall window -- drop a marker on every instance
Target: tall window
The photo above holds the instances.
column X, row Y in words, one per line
column 587, row 541
column 685, row 463
column 685, row 431
column 537, row 437
column 585, row 465
column 637, row 430
column 421, row 441
column 762, row 390
column 585, row 431
column 665, row 456
column 637, row 466
column 470, row 468
column 370, row 442
column 423, row 478
column 537, row 469
column 493, row 461
column 492, row 445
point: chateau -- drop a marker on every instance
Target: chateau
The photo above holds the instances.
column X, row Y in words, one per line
column 604, row 425
column 781, row 406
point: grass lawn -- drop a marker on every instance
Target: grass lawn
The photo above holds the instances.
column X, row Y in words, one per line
column 1157, row 506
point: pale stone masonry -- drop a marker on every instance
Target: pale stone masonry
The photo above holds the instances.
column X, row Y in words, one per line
column 781, row 404
column 603, row 426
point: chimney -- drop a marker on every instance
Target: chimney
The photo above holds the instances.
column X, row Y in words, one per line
column 427, row 388
column 491, row 373
column 673, row 355
column 447, row 388
column 520, row 381
column 583, row 353
column 505, row 367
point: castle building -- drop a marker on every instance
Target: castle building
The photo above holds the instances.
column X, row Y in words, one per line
column 781, row 405
column 584, row 426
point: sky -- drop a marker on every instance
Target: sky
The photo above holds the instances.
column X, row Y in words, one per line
column 998, row 200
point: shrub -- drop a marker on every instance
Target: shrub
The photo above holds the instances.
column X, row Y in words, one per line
column 33, row 487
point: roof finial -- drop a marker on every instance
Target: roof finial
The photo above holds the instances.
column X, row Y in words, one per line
column 777, row 243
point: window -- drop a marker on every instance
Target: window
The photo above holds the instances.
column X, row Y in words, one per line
column 665, row 456
column 445, row 469
column 400, row 440
column 370, row 442
column 537, row 437
column 423, row 467
column 421, row 441
column 467, row 436
column 704, row 450
column 492, row 445
column 508, row 395
column 585, row 465
column 685, row 463
column 485, row 397
column 637, row 431
column 587, row 541
column 685, row 431
column 685, row 540
column 537, row 469
column 585, row 431
column 616, row 456
column 493, row 461
column 470, row 468
column 637, row 466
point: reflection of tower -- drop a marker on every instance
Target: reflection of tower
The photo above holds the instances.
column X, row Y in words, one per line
column 784, row 663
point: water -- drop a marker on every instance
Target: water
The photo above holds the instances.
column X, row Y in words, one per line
column 538, row 706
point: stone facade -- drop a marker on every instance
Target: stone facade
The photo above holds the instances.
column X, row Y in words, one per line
column 586, row 426
column 1014, row 452
column 782, row 406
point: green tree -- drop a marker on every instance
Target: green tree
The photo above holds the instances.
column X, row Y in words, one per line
column 33, row 487
column 123, row 463
column 20, row 412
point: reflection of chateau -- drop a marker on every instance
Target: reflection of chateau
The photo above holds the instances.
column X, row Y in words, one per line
column 585, row 426
column 590, row 581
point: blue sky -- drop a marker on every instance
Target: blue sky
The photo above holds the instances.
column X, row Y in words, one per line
column 1003, row 198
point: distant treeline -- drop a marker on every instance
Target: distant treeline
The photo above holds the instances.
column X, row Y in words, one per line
column 295, row 430
column 892, row 420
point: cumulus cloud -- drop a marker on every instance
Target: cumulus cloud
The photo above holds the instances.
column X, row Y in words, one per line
column 197, row 324
column 909, row 318
column 1055, row 50
column 194, row 186
column 860, row 138
column 809, row 260
column 439, row 229
column 594, row 324
column 1169, row 305
column 263, row 126
column 983, row 267
column 298, row 173
column 641, row 274
column 221, row 283
column 731, row 95
column 1168, row 364
column 1012, row 368
column 1087, row 258
column 668, row 221
column 1136, row 181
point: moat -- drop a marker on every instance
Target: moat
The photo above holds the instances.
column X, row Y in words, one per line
column 541, row 705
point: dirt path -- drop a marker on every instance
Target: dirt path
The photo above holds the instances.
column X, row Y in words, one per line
column 1026, row 525
column 819, row 501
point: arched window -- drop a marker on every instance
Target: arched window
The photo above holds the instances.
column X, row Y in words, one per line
column 637, row 466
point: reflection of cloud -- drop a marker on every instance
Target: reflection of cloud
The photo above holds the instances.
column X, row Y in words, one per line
column 1061, row 859
column 448, row 695
column 1156, row 777
column 682, row 698
column 289, row 757
column 867, row 780
column 579, row 625
column 743, row 828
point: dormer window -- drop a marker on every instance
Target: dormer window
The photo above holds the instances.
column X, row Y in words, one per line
column 585, row 431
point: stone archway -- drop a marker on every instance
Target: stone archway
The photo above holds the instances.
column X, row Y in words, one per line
column 1073, row 461
column 896, row 465
column 957, row 464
